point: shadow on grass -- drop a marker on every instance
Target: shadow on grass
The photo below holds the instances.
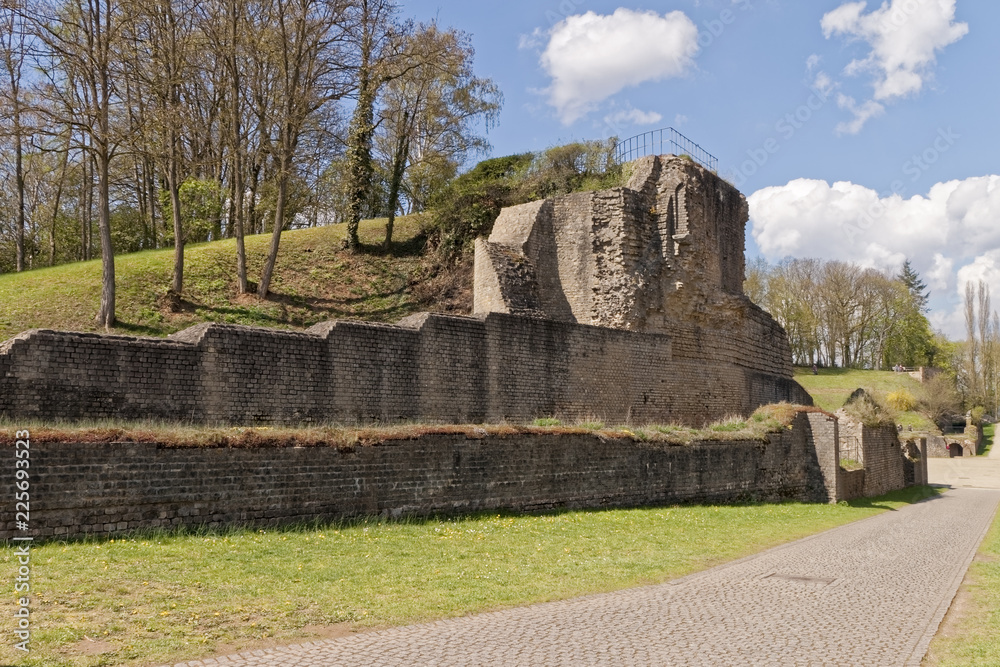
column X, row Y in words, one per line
column 909, row 495
column 988, row 434
column 807, row 370
column 138, row 329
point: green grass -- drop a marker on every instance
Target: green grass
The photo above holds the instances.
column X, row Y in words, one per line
column 315, row 280
column 764, row 421
column 161, row 598
column 832, row 386
column 988, row 432
column 977, row 638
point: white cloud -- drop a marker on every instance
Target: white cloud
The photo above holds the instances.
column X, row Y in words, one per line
column 590, row 57
column 905, row 37
column 940, row 274
column 949, row 234
column 680, row 119
column 862, row 114
column 626, row 117
column 532, row 41
column 823, row 84
column 986, row 268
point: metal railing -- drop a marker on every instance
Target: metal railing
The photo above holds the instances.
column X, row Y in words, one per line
column 661, row 142
column 851, row 455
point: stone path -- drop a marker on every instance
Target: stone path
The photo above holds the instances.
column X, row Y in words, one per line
column 870, row 593
column 981, row 472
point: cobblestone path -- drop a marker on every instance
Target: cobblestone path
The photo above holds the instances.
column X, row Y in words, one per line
column 870, row 593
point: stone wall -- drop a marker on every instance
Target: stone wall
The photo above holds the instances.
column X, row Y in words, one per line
column 80, row 489
column 663, row 255
column 883, row 459
column 852, row 484
column 427, row 367
column 949, row 446
column 889, row 465
column 624, row 305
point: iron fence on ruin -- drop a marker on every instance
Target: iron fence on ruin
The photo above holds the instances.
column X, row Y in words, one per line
column 661, row 142
column 851, row 455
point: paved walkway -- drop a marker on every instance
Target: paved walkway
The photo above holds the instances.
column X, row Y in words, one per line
column 869, row 593
column 979, row 472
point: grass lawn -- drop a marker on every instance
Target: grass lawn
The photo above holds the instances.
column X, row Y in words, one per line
column 977, row 639
column 157, row 598
column 832, row 386
column 314, row 280
column 988, row 432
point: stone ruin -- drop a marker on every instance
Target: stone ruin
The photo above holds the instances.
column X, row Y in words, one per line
column 664, row 255
column 666, row 251
column 624, row 305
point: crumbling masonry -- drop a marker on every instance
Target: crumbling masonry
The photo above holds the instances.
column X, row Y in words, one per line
column 621, row 305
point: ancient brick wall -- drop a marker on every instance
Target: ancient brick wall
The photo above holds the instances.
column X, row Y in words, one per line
column 427, row 367
column 79, row 489
column 662, row 255
column 823, row 432
column 852, row 484
column 882, row 454
column 883, row 459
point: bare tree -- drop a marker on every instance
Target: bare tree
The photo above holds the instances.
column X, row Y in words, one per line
column 159, row 37
column 379, row 45
column 972, row 343
column 13, row 52
column 429, row 111
column 227, row 24
column 308, row 50
column 80, row 40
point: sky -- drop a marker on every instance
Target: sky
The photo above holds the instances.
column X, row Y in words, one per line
column 858, row 131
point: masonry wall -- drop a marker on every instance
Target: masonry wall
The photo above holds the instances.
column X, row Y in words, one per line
column 886, row 465
column 426, row 367
column 81, row 489
column 823, row 433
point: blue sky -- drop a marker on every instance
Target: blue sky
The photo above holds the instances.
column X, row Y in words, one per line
column 859, row 131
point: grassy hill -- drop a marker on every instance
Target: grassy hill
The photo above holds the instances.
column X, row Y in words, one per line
column 315, row 280
column 832, row 386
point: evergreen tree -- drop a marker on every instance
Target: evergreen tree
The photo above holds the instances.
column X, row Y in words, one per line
column 917, row 287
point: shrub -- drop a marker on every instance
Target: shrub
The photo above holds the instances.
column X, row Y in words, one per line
column 729, row 425
column 870, row 408
column 902, row 400
column 592, row 425
column 469, row 205
column 939, row 399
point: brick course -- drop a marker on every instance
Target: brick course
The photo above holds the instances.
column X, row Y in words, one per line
column 427, row 367
column 83, row 489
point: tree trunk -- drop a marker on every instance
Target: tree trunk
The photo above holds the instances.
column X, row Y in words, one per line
column 177, row 285
column 241, row 250
column 106, row 314
column 19, row 176
column 55, row 206
column 359, row 154
column 398, row 169
column 279, row 223
column 86, row 206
